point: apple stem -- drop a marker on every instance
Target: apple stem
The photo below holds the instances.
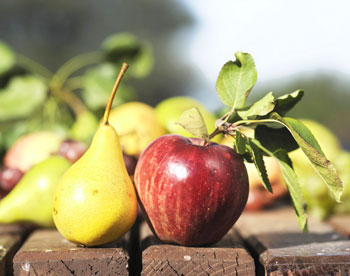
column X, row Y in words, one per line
column 214, row 133
column 114, row 90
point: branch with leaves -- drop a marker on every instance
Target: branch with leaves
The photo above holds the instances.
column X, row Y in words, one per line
column 274, row 134
column 71, row 99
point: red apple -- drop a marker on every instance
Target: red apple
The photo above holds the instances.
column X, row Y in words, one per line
column 192, row 193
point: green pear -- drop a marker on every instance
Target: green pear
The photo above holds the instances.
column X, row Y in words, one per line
column 31, row 199
column 342, row 164
column 169, row 111
column 95, row 201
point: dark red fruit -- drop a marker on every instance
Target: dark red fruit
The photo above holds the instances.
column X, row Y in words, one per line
column 9, row 177
column 72, row 150
column 192, row 193
column 130, row 163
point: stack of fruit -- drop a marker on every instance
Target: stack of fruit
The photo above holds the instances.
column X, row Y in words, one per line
column 192, row 190
column 38, row 156
column 47, row 119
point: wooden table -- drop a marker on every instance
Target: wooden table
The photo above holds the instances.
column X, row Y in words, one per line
column 262, row 243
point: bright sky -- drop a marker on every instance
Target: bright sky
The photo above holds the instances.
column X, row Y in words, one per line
column 284, row 37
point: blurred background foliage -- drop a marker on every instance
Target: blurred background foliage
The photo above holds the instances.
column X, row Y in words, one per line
column 326, row 100
column 86, row 41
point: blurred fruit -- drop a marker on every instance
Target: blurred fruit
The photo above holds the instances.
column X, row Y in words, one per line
column 137, row 126
column 227, row 140
column 320, row 202
column 9, row 177
column 342, row 164
column 130, row 163
column 273, row 171
column 32, row 198
column 71, row 150
column 31, row 149
column 259, row 197
column 169, row 111
column 84, row 127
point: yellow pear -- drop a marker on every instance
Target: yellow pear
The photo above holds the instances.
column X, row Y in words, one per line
column 95, row 201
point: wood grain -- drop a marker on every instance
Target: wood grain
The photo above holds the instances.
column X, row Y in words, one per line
column 227, row 257
column 282, row 249
column 11, row 238
column 46, row 252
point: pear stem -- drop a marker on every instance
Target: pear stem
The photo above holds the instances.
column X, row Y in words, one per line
column 114, row 90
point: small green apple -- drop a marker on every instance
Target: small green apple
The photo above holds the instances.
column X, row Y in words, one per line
column 169, row 111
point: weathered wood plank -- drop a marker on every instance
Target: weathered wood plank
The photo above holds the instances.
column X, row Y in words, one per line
column 282, row 249
column 11, row 238
column 46, row 252
column 227, row 257
column 9, row 244
column 341, row 223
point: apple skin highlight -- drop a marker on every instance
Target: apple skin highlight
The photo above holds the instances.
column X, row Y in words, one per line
column 192, row 193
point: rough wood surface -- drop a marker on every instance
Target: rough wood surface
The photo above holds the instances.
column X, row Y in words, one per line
column 282, row 249
column 341, row 223
column 11, row 238
column 227, row 257
column 9, row 244
column 46, row 252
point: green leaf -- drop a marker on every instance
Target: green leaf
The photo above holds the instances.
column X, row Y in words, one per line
column 291, row 180
column 313, row 151
column 240, row 143
column 22, row 96
column 98, row 83
column 192, row 121
column 275, row 138
column 236, row 79
column 259, row 163
column 294, row 188
column 260, row 108
column 7, row 58
column 288, row 101
column 125, row 47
